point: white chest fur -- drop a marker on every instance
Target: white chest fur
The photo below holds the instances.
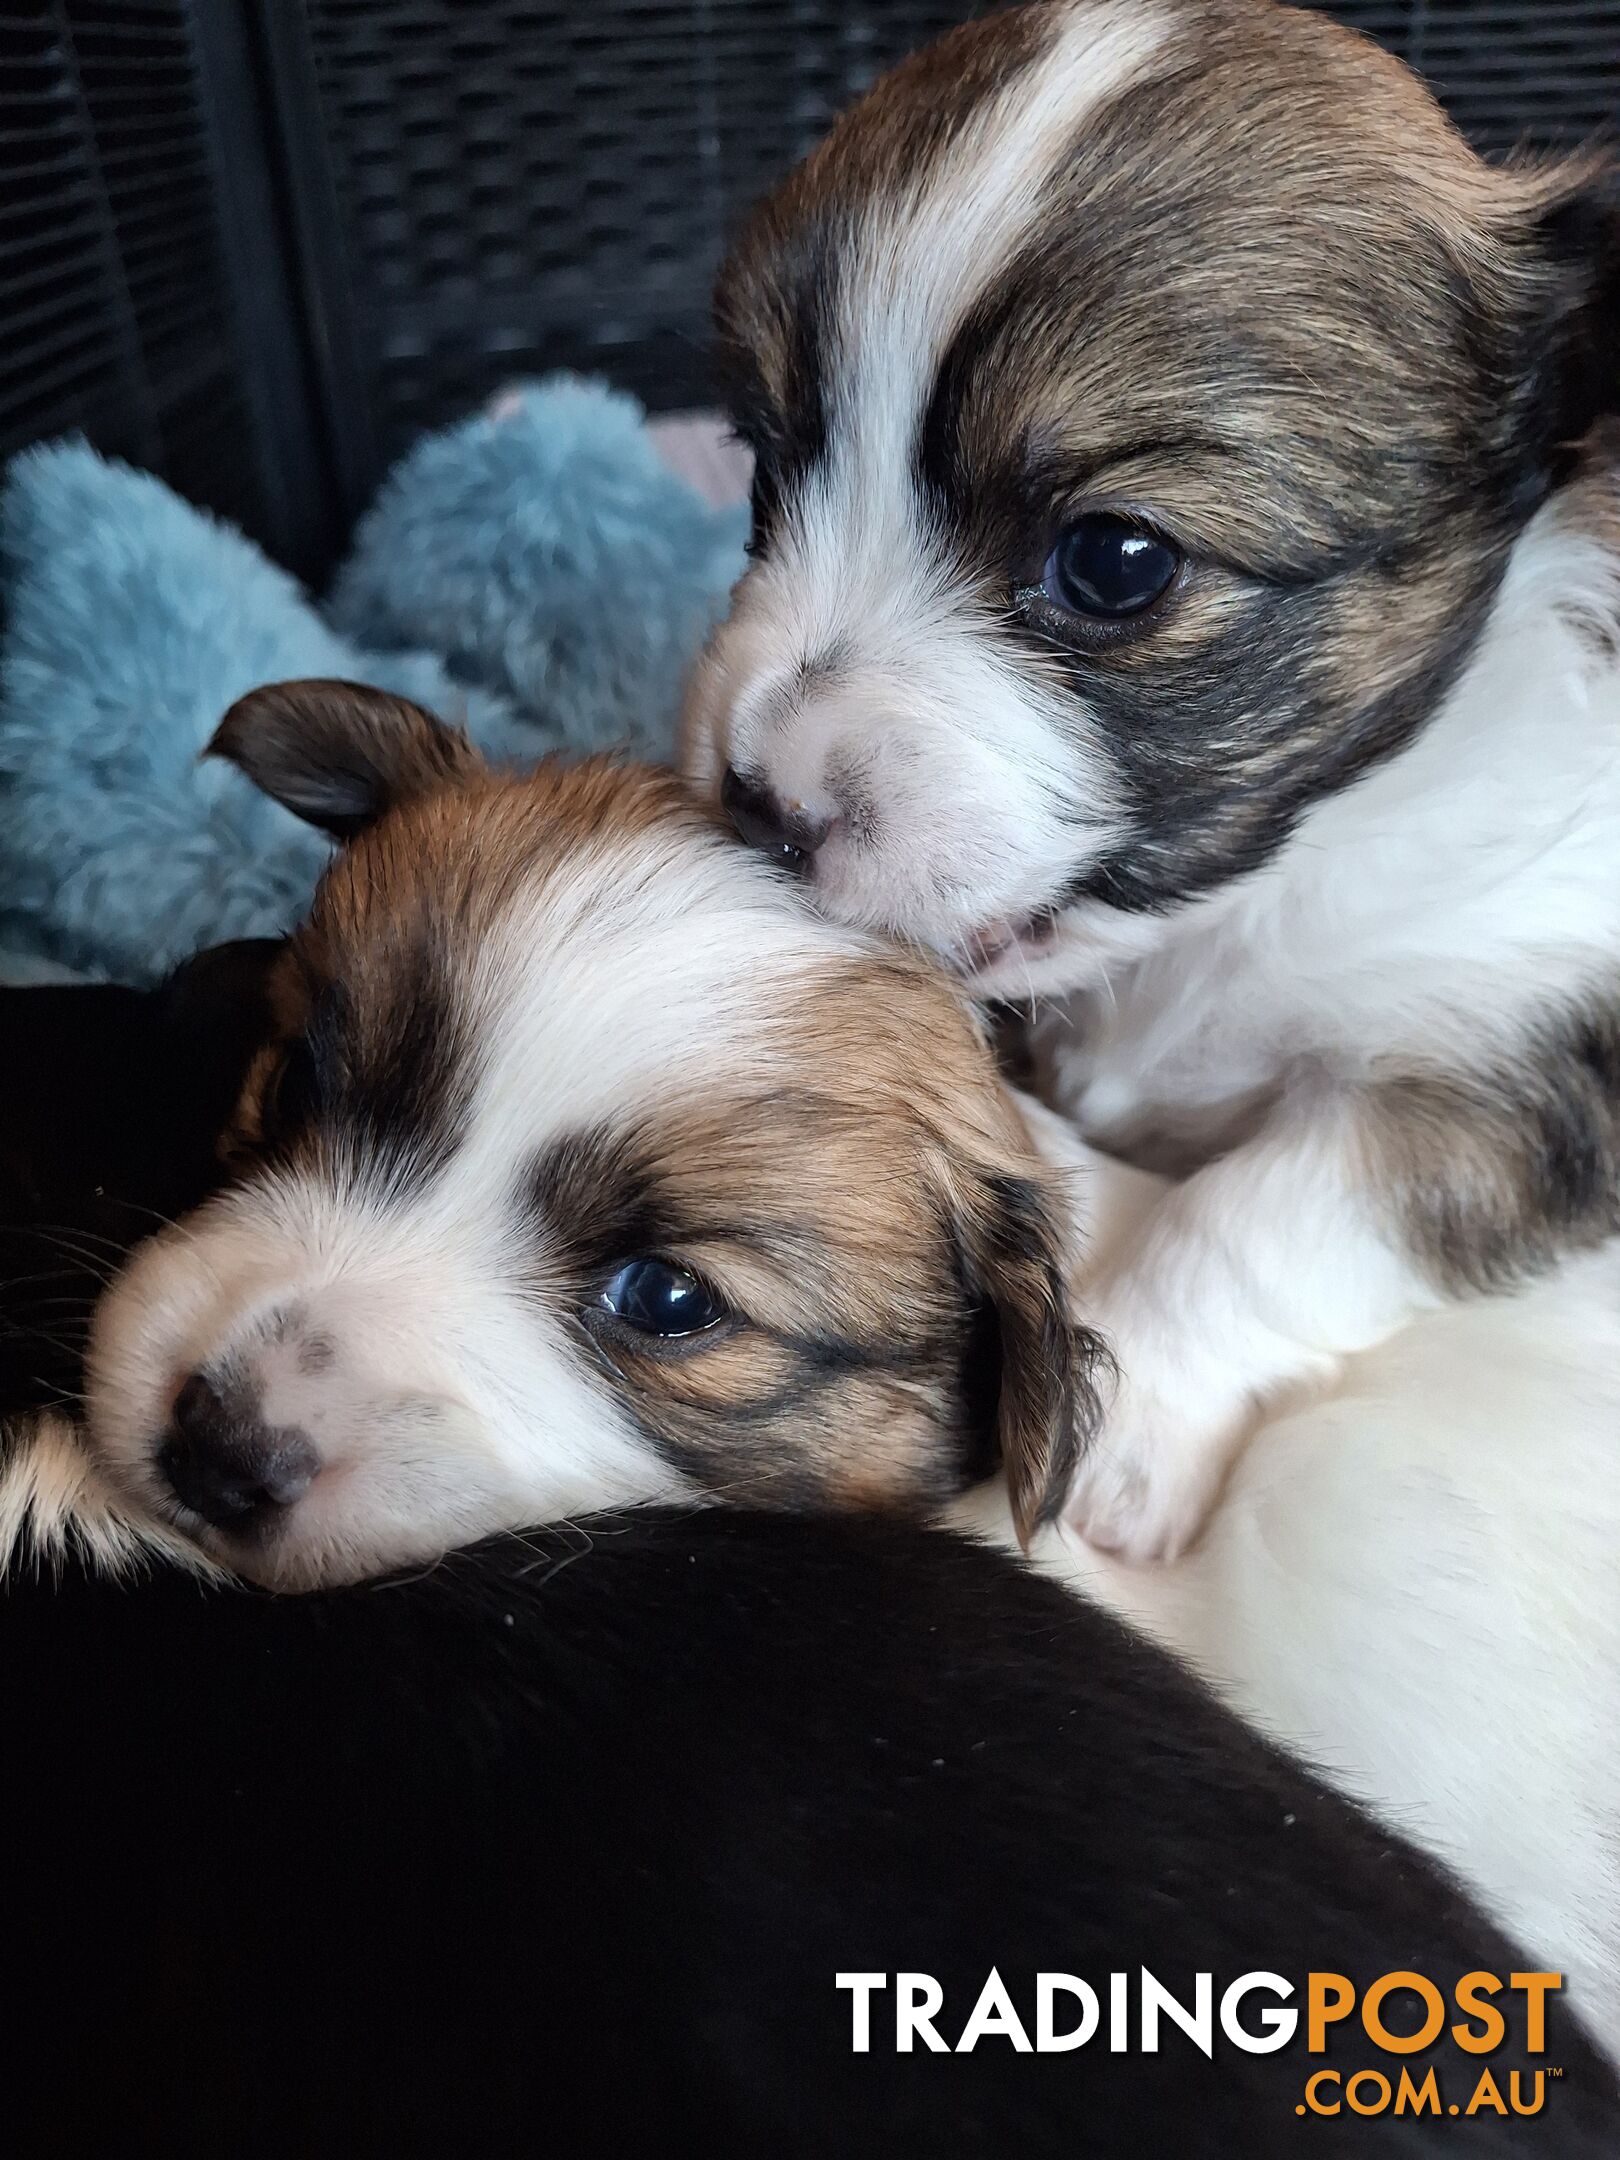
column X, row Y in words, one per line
column 1431, row 911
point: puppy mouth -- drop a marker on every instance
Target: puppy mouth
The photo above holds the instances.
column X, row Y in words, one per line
column 988, row 949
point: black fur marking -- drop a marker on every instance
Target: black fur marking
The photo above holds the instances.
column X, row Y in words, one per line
column 787, row 435
column 591, row 1196
column 1581, row 358
column 385, row 1080
column 567, row 1840
column 1181, row 339
column 981, row 1375
column 1048, row 1404
column 1219, row 769
column 1223, row 743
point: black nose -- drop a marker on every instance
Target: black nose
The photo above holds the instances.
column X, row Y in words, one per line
column 788, row 836
column 226, row 1465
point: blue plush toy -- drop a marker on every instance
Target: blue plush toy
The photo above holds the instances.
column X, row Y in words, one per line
column 536, row 573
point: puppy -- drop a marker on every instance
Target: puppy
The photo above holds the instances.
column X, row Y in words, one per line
column 572, row 1839
column 583, row 1165
column 1186, row 592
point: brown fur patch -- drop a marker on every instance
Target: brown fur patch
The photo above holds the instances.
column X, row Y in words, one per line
column 1274, row 308
column 464, row 851
column 877, row 1224
column 446, row 863
column 886, row 1238
column 1493, row 1174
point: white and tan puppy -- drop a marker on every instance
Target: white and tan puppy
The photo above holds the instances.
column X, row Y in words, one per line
column 1186, row 593
column 585, row 1166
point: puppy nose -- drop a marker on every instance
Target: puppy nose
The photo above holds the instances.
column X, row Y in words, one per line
column 784, row 831
column 229, row 1467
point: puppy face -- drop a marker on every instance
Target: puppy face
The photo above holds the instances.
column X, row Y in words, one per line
column 1144, row 398
column 584, row 1167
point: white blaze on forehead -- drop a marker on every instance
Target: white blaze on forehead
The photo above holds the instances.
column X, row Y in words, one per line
column 639, row 973
column 648, row 970
column 859, row 673
column 925, row 256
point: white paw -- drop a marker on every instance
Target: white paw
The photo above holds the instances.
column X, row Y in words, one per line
column 1188, row 1390
column 1149, row 1479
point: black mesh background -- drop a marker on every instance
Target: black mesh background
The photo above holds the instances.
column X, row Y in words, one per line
column 116, row 316
column 523, row 185
column 1546, row 71
column 258, row 244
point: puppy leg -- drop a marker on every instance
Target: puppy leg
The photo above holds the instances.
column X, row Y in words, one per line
column 1107, row 1203
column 1248, row 1280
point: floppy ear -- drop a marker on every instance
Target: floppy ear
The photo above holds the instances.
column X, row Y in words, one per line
column 337, row 753
column 1047, row 1406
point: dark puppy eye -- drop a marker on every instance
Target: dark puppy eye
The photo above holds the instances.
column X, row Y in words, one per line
column 656, row 1298
column 1107, row 568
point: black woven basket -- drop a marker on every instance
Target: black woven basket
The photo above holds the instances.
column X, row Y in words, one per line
column 134, row 159
column 258, row 244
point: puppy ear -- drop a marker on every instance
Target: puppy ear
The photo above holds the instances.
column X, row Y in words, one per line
column 1047, row 1405
column 337, row 753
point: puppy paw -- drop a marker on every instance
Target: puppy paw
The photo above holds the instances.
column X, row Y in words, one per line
column 1185, row 1399
column 1150, row 1477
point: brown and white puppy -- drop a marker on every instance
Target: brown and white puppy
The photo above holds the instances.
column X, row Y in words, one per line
column 586, row 1167
column 1178, row 595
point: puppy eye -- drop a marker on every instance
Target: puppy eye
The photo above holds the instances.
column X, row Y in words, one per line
column 1108, row 567
column 656, row 1298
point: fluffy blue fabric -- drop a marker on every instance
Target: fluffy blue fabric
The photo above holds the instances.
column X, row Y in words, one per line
column 132, row 622
column 563, row 573
column 549, row 555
